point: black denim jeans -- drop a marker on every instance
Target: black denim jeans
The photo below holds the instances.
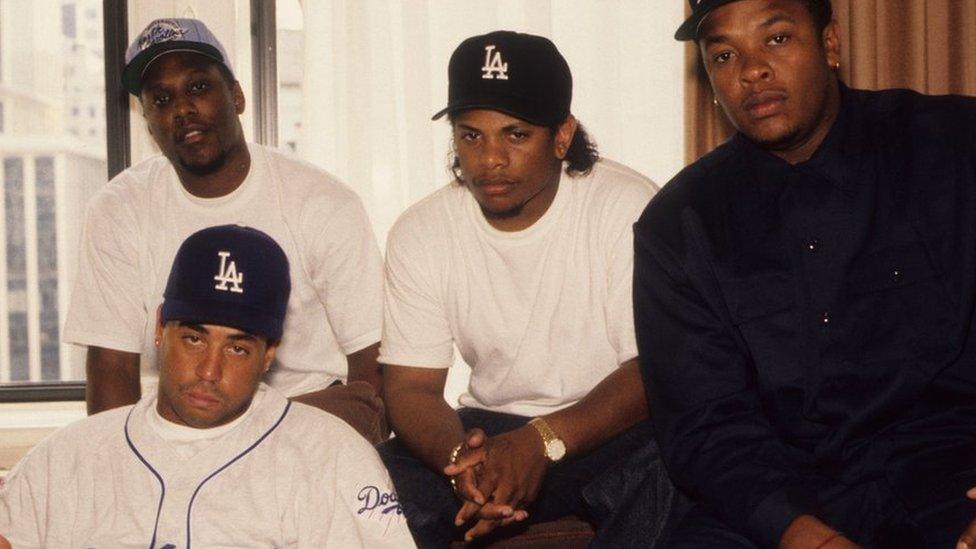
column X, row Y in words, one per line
column 621, row 488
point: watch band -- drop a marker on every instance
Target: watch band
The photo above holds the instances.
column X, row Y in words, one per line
column 554, row 446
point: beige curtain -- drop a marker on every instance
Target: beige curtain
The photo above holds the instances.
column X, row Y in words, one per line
column 925, row 45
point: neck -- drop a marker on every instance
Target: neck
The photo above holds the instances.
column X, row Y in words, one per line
column 531, row 210
column 221, row 182
column 804, row 149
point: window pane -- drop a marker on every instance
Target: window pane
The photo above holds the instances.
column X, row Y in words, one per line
column 52, row 141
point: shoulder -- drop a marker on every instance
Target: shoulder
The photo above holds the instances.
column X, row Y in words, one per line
column 611, row 183
column 132, row 187
column 697, row 187
column 303, row 182
column 898, row 110
column 83, row 437
column 430, row 217
column 319, row 435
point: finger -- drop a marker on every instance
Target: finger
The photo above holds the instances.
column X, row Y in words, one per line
column 465, row 460
column 968, row 538
column 506, row 492
column 467, row 511
column 475, row 438
column 482, row 528
column 467, row 487
column 493, row 511
column 517, row 516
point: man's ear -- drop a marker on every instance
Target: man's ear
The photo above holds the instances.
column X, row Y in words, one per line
column 269, row 354
column 831, row 44
column 238, row 95
column 159, row 324
column 564, row 136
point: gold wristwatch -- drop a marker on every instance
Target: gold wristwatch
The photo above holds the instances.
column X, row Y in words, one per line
column 555, row 447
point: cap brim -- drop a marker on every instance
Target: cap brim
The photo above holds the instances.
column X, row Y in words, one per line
column 471, row 105
column 222, row 313
column 133, row 72
column 689, row 29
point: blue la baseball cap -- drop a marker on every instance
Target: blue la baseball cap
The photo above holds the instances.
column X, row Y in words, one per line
column 164, row 36
column 229, row 275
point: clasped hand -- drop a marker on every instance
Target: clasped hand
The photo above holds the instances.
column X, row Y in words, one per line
column 497, row 477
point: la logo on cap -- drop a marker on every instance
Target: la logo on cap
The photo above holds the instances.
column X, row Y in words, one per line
column 228, row 275
column 494, row 66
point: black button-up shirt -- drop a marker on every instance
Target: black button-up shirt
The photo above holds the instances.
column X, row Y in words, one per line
column 806, row 327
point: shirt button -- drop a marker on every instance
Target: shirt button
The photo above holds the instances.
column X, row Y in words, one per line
column 812, row 245
column 825, row 318
column 896, row 275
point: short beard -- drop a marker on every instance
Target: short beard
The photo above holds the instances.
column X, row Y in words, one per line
column 209, row 168
column 504, row 214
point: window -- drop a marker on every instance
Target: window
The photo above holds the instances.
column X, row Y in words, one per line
column 49, row 170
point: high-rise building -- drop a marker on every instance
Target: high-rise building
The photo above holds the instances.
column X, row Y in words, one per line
column 52, row 145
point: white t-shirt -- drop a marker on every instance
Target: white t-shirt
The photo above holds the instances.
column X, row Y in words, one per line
column 541, row 315
column 288, row 475
column 135, row 224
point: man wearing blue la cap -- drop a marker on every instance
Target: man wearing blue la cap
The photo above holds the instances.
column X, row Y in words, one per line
column 209, row 175
column 804, row 294
column 213, row 457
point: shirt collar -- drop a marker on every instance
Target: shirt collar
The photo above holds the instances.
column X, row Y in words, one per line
column 835, row 157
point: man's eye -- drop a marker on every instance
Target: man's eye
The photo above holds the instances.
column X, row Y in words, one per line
column 160, row 99
column 238, row 350
column 779, row 39
column 519, row 135
column 199, row 86
column 722, row 57
column 469, row 136
column 192, row 339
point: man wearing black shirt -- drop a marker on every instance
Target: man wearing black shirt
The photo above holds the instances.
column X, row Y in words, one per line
column 804, row 296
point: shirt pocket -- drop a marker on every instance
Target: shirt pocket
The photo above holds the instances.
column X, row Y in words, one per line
column 897, row 306
column 762, row 308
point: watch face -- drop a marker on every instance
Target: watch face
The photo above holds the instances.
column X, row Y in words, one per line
column 555, row 450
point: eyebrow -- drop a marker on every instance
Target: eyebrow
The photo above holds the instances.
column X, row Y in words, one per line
column 772, row 20
column 194, row 327
column 242, row 336
column 239, row 336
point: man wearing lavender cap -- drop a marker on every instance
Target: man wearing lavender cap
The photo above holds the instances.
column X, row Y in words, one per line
column 209, row 175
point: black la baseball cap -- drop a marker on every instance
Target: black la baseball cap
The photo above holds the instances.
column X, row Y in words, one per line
column 164, row 36
column 229, row 275
column 699, row 9
column 521, row 75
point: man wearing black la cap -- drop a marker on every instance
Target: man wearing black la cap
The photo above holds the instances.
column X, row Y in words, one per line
column 213, row 457
column 524, row 263
column 807, row 291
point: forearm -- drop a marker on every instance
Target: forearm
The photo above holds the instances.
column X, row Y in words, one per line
column 363, row 367
column 112, row 379
column 614, row 405
column 809, row 531
column 421, row 418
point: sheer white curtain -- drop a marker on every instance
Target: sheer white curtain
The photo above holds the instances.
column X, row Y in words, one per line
column 373, row 72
